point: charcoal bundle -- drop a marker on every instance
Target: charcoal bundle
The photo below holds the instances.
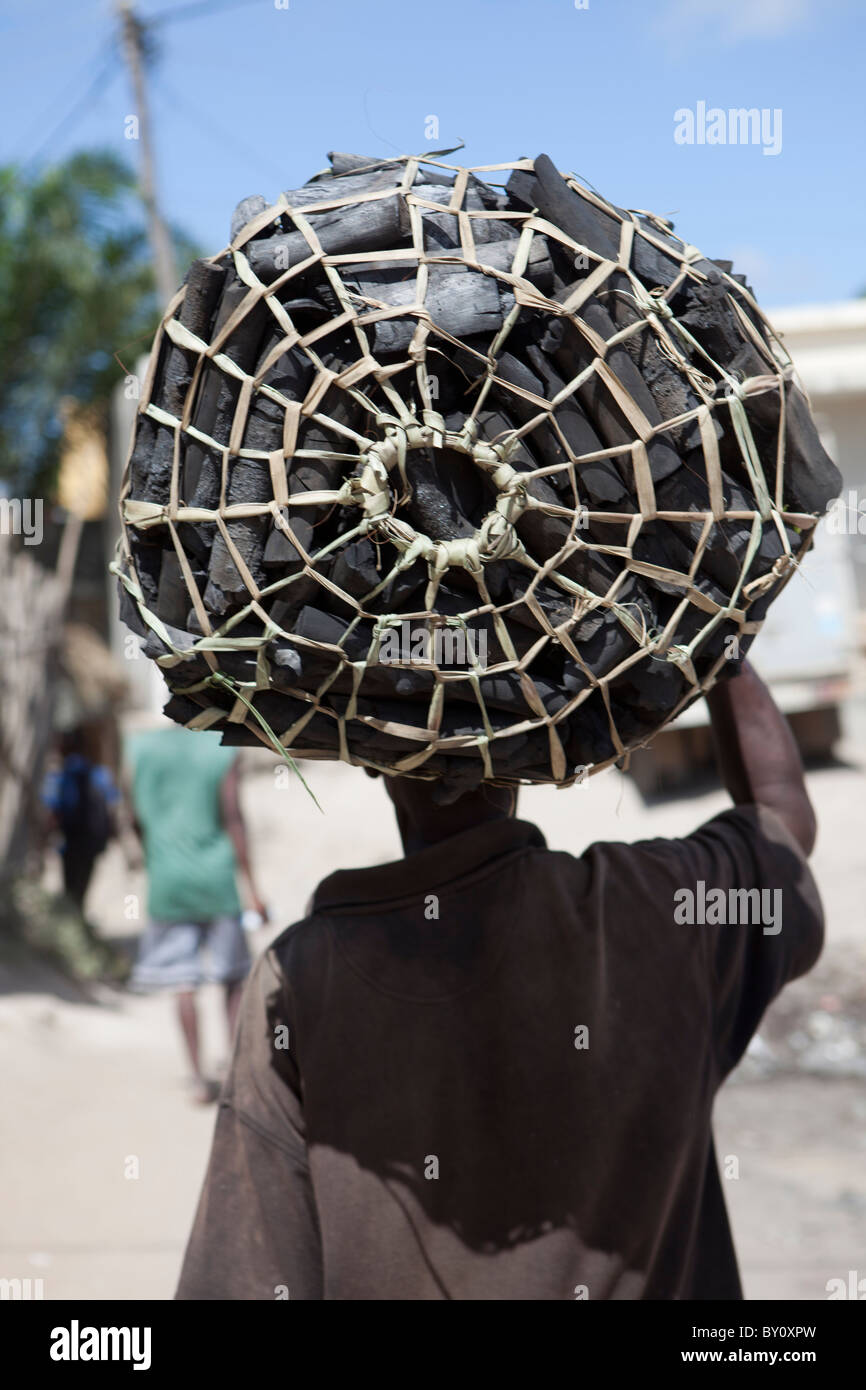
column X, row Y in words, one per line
column 460, row 474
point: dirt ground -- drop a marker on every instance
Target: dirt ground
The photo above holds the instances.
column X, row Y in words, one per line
column 105, row 1153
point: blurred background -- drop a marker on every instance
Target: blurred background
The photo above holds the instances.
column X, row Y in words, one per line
column 129, row 132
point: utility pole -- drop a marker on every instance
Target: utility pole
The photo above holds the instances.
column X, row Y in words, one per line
column 132, row 31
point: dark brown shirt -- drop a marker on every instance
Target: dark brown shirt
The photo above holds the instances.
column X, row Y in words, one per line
column 487, row 1071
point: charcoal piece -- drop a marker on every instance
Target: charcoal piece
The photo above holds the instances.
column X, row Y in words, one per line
column 811, row 480
column 482, row 630
column 392, row 681
column 173, row 596
column 595, row 397
column 594, row 228
column 202, row 468
column 291, row 375
column 557, row 606
column 611, row 643
column 246, row 210
column 405, row 592
column 151, row 461
column 354, row 569
column 318, row 626
column 153, row 454
column 139, row 460
column 217, row 396
column 370, row 743
column 197, row 539
column 499, row 254
column 599, row 480
column 291, row 598
column 599, row 477
column 504, row 693
column 324, row 474
column 280, row 711
column 546, row 190
column 542, row 440
column 306, row 312
column 545, row 535
column 220, row 393
column 280, row 551
column 192, row 669
column 234, row 735
column 354, row 163
column 494, row 426
column 651, row 687
column 728, row 540
column 658, row 543
column 204, row 283
column 249, row 482
column 315, row 667
column 446, row 491
column 325, row 189
column 586, row 734
column 148, row 562
column 239, row 665
column 348, row 163
column 184, row 708
column 669, row 387
column 442, row 229
column 460, row 302
column 366, row 226
column 703, row 307
column 318, row 474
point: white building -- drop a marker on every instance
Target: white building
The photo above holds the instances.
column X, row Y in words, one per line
column 828, row 345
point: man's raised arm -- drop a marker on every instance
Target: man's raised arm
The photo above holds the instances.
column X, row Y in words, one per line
column 758, row 759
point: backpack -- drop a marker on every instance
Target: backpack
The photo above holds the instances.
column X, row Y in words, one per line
column 86, row 815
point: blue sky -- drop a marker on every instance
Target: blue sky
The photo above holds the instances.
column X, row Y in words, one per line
column 249, row 97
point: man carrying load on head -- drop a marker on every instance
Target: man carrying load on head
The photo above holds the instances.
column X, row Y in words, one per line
column 487, row 1070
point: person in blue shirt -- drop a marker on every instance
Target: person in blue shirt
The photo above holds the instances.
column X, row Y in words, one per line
column 81, row 797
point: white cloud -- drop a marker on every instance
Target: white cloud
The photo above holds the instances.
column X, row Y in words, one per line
column 730, row 21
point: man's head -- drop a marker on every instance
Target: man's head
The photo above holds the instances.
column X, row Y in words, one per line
column 424, row 819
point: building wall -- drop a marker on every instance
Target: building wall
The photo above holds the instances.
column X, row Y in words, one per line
column 828, row 345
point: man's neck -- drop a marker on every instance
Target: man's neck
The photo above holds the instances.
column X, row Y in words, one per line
column 422, row 822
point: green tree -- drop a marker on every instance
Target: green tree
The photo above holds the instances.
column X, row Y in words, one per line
column 76, row 286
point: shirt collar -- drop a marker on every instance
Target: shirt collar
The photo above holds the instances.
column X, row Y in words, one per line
column 441, row 863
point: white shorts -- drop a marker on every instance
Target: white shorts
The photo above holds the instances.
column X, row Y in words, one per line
column 171, row 955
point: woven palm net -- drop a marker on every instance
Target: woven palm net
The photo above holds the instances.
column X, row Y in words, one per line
column 460, row 473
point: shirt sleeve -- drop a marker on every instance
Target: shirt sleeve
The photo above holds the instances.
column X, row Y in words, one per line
column 256, row 1233
column 50, row 794
column 102, row 779
column 750, row 891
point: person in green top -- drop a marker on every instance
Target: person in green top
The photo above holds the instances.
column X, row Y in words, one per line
column 183, row 789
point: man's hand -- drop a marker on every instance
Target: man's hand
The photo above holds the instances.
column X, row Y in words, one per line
column 258, row 906
column 757, row 757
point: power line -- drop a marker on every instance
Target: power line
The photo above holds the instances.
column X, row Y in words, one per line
column 196, row 8
column 102, row 76
column 107, row 52
column 206, row 125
